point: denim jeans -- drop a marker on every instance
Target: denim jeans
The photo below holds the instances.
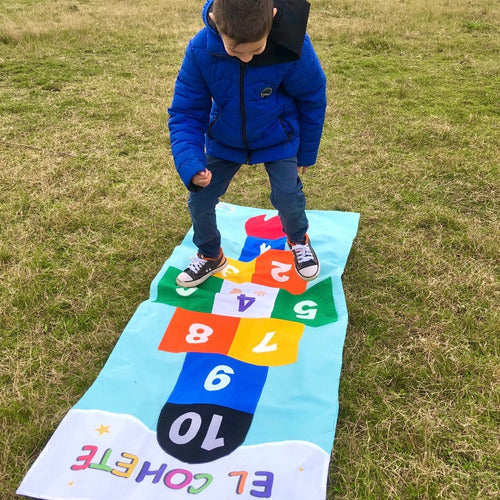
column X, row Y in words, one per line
column 286, row 196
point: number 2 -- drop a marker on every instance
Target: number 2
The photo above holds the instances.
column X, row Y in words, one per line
column 279, row 269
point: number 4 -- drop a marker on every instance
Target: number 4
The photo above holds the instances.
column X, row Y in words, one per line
column 244, row 302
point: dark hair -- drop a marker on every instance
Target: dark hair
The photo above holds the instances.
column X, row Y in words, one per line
column 244, row 21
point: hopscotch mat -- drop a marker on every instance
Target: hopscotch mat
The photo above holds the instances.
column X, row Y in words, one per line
column 224, row 391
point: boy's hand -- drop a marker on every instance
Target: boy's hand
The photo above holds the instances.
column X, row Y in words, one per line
column 302, row 170
column 202, row 178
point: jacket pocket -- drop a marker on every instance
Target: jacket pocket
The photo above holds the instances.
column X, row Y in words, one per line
column 287, row 128
column 211, row 126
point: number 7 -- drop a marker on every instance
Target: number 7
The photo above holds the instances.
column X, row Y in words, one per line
column 264, row 345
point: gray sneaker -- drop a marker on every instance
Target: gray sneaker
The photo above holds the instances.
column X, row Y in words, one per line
column 305, row 259
column 200, row 269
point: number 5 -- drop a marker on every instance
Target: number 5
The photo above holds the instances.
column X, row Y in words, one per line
column 306, row 309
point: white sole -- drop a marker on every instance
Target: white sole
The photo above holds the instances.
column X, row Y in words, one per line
column 192, row 284
column 309, row 278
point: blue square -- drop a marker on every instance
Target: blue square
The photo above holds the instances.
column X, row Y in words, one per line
column 219, row 380
column 254, row 247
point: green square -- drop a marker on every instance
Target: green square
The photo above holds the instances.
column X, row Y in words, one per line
column 314, row 307
column 200, row 298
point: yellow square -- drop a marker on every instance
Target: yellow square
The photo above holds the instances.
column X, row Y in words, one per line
column 237, row 271
column 267, row 341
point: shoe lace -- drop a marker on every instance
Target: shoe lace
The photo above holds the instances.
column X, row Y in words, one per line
column 196, row 263
column 302, row 252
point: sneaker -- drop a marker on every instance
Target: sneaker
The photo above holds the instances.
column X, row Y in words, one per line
column 305, row 259
column 200, row 269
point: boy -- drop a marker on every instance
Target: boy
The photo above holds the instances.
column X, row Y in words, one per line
column 250, row 90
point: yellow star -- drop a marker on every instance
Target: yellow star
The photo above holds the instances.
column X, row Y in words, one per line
column 71, row 483
column 103, row 429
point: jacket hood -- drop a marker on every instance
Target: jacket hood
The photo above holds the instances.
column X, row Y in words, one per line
column 287, row 32
column 204, row 14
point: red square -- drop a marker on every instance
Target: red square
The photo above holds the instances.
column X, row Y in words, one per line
column 275, row 268
column 190, row 331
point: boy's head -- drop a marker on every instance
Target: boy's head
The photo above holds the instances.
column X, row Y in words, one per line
column 244, row 25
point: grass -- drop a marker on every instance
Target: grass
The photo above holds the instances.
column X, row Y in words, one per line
column 91, row 206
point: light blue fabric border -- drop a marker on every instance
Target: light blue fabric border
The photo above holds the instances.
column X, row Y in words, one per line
column 298, row 402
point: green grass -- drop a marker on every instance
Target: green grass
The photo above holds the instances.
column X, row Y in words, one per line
column 91, row 206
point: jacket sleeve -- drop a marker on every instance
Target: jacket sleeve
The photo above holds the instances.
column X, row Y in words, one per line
column 188, row 119
column 306, row 83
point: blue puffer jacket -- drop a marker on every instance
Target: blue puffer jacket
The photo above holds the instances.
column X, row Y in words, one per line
column 269, row 109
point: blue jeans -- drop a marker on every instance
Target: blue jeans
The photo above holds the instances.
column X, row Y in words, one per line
column 286, row 196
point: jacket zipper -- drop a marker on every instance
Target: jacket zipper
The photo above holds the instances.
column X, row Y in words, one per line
column 242, row 111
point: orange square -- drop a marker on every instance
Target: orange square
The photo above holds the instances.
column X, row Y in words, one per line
column 275, row 268
column 190, row 331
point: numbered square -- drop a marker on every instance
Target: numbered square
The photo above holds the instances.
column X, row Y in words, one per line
column 245, row 300
column 275, row 268
column 190, row 331
column 237, row 271
column 219, row 380
column 267, row 342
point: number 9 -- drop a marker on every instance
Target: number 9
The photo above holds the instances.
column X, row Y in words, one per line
column 218, row 378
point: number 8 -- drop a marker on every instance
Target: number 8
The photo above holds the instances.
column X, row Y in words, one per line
column 198, row 333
